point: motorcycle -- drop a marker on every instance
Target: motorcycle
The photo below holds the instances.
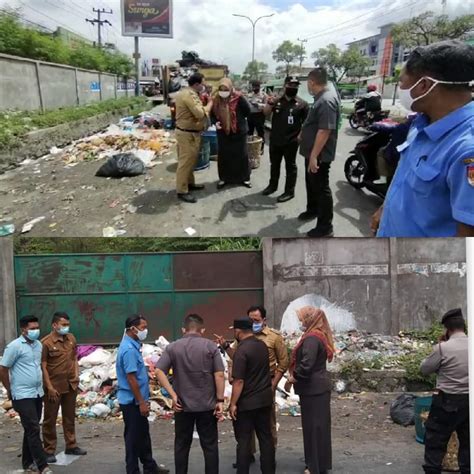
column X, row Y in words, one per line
column 361, row 168
column 367, row 118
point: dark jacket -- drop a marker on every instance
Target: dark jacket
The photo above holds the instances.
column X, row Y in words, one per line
column 310, row 373
column 242, row 112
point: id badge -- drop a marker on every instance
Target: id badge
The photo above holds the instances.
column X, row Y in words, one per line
column 291, row 120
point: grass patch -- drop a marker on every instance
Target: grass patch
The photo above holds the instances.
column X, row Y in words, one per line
column 14, row 124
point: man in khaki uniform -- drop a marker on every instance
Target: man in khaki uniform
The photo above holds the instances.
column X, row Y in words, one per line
column 191, row 121
column 61, row 379
column 277, row 351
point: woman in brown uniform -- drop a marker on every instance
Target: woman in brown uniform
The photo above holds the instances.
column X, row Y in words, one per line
column 312, row 383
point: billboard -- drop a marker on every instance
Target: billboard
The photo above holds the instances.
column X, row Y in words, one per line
column 147, row 18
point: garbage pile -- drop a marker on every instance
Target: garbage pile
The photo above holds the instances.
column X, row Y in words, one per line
column 143, row 136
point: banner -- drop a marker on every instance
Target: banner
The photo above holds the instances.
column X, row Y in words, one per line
column 147, row 18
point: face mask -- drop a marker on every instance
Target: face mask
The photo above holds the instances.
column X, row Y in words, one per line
column 33, row 334
column 62, row 331
column 406, row 98
column 142, row 335
column 256, row 91
column 257, row 327
column 224, row 94
column 291, row 92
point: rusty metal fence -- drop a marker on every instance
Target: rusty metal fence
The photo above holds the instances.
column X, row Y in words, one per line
column 99, row 291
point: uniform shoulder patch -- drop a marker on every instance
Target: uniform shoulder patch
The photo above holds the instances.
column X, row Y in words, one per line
column 470, row 174
column 468, row 161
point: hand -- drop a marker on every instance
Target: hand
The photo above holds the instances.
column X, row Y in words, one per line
column 291, row 379
column 313, row 165
column 299, row 137
column 53, row 395
column 274, row 384
column 233, row 412
column 287, row 387
column 271, row 101
column 220, row 341
column 144, row 409
column 218, row 126
column 177, row 407
column 219, row 411
column 375, row 221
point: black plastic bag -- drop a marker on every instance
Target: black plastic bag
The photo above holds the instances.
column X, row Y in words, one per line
column 402, row 409
column 121, row 166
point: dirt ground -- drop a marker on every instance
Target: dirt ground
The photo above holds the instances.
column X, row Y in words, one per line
column 365, row 441
column 76, row 202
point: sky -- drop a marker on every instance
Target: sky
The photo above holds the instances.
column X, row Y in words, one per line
column 208, row 27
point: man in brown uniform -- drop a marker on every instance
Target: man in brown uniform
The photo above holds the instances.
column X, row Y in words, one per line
column 61, row 379
column 191, row 120
column 277, row 351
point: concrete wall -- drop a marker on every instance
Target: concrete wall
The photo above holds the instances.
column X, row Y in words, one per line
column 33, row 85
column 386, row 285
column 7, row 293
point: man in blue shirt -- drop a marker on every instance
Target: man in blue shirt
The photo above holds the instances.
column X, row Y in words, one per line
column 133, row 395
column 432, row 192
column 20, row 373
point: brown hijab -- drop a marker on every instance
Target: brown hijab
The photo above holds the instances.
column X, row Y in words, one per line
column 317, row 325
column 225, row 110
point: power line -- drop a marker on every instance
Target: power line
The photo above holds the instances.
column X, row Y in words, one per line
column 25, row 20
column 100, row 22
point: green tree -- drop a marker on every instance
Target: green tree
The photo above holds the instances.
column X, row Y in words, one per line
column 341, row 63
column 428, row 28
column 287, row 53
column 255, row 70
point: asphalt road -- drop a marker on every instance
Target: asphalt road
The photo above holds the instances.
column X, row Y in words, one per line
column 365, row 441
column 74, row 202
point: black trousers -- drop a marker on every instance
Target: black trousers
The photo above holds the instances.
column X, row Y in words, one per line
column 137, row 440
column 260, row 421
column 256, row 122
column 206, row 426
column 319, row 195
column 449, row 414
column 277, row 153
column 30, row 410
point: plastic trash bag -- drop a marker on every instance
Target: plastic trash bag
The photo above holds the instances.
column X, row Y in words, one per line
column 402, row 409
column 122, row 165
column 100, row 410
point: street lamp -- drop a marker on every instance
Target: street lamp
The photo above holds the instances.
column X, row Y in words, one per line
column 254, row 22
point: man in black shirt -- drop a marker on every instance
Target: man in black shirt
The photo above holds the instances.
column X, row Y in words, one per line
column 288, row 115
column 252, row 398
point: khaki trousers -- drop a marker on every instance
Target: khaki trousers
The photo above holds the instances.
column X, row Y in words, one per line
column 189, row 145
column 68, row 411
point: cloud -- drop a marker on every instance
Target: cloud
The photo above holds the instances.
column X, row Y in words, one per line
column 208, row 27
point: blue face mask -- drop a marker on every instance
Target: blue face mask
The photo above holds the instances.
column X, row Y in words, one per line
column 257, row 327
column 62, row 331
column 33, row 334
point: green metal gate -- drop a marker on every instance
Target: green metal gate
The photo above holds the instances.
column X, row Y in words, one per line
column 99, row 291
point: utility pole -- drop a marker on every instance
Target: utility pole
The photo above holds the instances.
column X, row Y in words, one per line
column 100, row 22
column 302, row 41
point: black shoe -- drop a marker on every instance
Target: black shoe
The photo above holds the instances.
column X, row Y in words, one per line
column 320, row 233
column 50, row 459
column 187, row 198
column 196, row 187
column 221, row 184
column 269, row 190
column 285, row 197
column 252, row 461
column 157, row 470
column 307, row 216
column 76, row 451
column 247, row 184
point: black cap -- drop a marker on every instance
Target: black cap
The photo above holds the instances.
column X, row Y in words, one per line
column 452, row 314
column 243, row 323
column 293, row 80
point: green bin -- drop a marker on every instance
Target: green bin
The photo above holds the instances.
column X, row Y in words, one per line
column 422, row 404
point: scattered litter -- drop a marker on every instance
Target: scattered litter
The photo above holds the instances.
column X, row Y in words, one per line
column 63, row 459
column 122, row 165
column 55, row 150
column 100, row 410
column 113, row 232
column 340, row 386
column 132, row 209
column 190, row 231
column 29, row 225
column 114, row 203
column 7, row 229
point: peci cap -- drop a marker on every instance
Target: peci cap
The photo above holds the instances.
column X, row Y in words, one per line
column 452, row 314
column 242, row 323
column 293, row 80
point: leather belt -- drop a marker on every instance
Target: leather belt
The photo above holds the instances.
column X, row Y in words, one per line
column 188, row 131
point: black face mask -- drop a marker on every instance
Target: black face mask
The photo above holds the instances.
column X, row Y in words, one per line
column 291, row 92
column 256, row 91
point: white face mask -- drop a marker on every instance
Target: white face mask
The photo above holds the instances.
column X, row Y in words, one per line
column 142, row 335
column 406, row 98
column 224, row 94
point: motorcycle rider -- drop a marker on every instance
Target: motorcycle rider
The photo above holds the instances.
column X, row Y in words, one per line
column 370, row 102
